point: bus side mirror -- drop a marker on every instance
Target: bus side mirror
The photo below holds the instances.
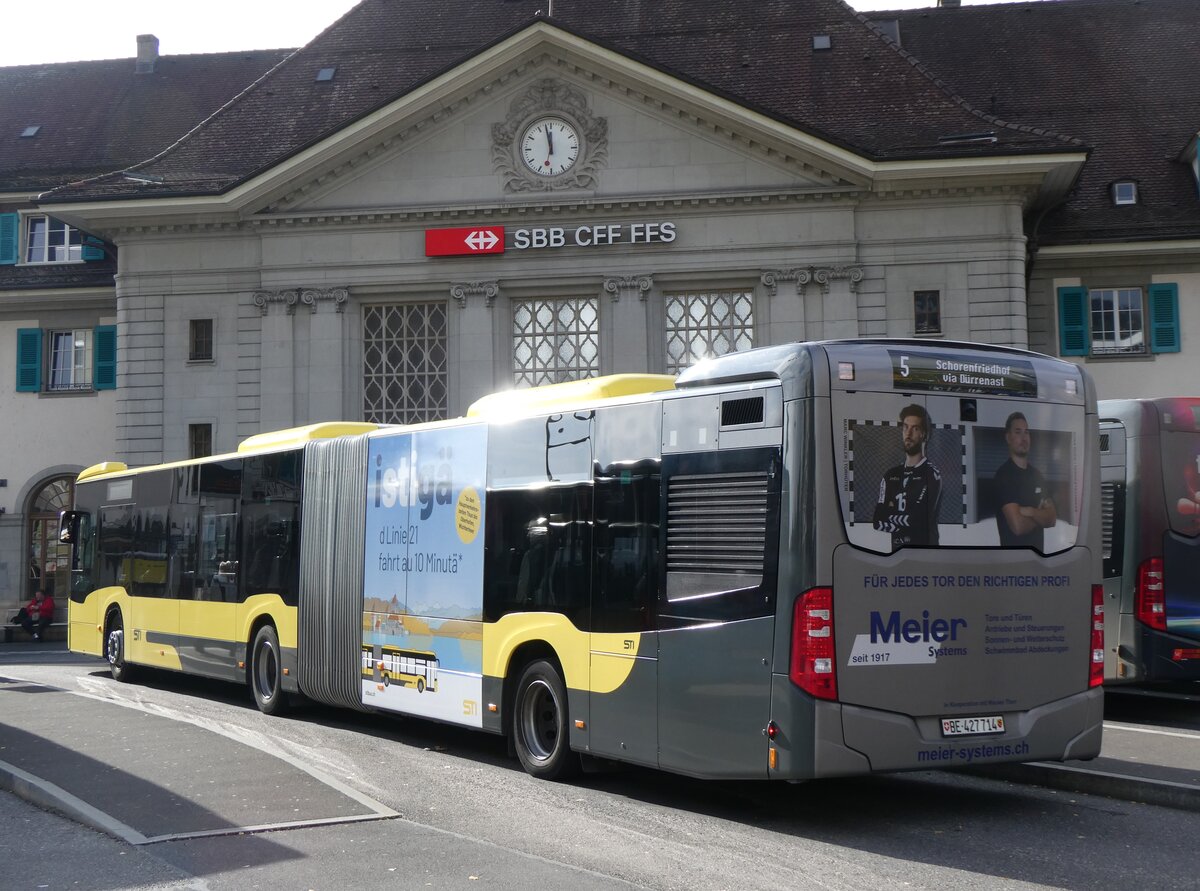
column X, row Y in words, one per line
column 68, row 526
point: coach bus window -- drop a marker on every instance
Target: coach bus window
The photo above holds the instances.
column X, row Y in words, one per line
column 271, row 525
column 184, row 532
column 220, row 490
column 626, row 567
column 116, row 545
column 538, row 530
column 148, row 564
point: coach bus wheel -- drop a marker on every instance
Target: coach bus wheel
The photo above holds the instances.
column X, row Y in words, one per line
column 114, row 650
column 540, row 733
column 386, row 681
column 420, row 685
column 266, row 673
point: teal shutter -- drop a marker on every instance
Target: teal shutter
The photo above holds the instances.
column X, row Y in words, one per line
column 1072, row 321
column 104, row 371
column 93, row 248
column 1164, row 318
column 10, row 231
column 29, row 360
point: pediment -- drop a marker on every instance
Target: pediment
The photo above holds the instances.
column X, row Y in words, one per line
column 640, row 141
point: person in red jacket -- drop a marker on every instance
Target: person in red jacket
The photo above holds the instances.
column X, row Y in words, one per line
column 36, row 617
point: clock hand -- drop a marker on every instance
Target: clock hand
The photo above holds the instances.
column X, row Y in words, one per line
column 549, row 144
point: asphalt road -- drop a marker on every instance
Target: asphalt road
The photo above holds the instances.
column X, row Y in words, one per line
column 464, row 815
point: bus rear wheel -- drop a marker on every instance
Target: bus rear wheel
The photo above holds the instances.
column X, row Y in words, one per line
column 539, row 724
column 266, row 672
column 114, row 650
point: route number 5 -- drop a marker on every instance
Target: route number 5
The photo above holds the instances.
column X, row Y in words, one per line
column 904, row 366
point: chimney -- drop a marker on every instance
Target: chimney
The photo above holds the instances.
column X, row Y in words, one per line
column 948, row 4
column 147, row 53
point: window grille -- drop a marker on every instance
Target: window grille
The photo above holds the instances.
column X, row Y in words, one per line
column 555, row 340
column 405, row 371
column 704, row 325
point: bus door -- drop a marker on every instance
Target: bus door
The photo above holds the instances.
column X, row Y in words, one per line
column 623, row 648
column 721, row 482
column 209, row 601
column 153, row 618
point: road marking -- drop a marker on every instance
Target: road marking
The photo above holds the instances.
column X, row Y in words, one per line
column 1113, row 725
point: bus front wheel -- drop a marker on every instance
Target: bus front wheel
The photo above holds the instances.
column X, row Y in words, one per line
column 266, row 672
column 114, row 650
column 539, row 724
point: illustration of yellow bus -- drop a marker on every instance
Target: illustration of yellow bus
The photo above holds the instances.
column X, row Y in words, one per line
column 409, row 668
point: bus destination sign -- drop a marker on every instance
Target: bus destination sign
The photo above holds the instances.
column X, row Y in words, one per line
column 1001, row 376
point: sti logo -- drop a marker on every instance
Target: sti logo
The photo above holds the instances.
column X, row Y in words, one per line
column 460, row 242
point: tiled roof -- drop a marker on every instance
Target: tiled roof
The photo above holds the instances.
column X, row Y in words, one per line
column 96, row 274
column 97, row 117
column 1121, row 75
column 862, row 93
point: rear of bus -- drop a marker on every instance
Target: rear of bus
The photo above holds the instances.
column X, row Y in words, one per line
column 1150, row 457
column 933, row 629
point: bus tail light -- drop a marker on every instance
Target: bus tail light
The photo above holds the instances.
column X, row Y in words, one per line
column 812, row 668
column 1096, row 670
column 1150, row 602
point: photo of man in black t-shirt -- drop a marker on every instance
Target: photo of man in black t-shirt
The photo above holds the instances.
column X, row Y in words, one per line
column 1026, row 509
column 910, row 493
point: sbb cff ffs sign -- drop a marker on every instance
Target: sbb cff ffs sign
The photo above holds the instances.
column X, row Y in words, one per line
column 456, row 242
column 491, row 239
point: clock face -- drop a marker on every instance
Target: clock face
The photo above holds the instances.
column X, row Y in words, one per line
column 549, row 146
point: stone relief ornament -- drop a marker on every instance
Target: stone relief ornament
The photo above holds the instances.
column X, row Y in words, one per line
column 462, row 291
column 640, row 285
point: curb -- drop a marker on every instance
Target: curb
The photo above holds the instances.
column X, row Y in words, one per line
column 1092, row 782
column 50, row 797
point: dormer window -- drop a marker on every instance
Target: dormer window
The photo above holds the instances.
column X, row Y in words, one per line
column 1125, row 192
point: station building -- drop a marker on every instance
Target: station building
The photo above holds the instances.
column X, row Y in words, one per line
column 430, row 202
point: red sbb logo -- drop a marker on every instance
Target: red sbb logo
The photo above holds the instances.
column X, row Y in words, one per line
column 457, row 242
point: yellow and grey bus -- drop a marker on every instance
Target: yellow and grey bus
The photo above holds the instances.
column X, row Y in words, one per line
column 387, row 665
column 1150, row 506
column 800, row 561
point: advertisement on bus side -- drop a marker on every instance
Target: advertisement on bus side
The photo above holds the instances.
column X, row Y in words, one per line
column 423, row 573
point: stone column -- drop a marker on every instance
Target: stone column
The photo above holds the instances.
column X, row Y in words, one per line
column 277, row 389
column 326, row 354
column 787, row 309
column 838, row 300
column 629, row 323
column 476, row 339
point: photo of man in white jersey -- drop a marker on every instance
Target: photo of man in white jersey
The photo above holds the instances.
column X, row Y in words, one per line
column 911, row 493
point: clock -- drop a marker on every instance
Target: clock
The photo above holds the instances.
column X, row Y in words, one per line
column 549, row 146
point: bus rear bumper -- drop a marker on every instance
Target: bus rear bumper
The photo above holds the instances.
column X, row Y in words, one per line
column 1062, row 730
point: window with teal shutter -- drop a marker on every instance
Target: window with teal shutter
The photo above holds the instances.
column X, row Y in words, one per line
column 29, row 360
column 1164, row 318
column 1072, row 321
column 93, row 248
column 10, row 230
column 104, row 371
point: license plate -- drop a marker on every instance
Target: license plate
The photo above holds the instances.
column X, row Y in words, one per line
column 972, row 726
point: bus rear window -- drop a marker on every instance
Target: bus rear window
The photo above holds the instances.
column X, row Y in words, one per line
column 1181, row 480
column 934, row 470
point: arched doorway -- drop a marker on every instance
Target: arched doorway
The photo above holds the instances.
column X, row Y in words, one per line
column 49, row 564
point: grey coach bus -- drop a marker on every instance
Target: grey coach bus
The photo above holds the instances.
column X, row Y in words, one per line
column 800, row 561
column 1150, row 499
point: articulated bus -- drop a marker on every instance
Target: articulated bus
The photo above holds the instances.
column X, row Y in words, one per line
column 800, row 561
column 1150, row 507
column 393, row 665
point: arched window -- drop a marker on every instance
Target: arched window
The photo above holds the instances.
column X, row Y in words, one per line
column 49, row 564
